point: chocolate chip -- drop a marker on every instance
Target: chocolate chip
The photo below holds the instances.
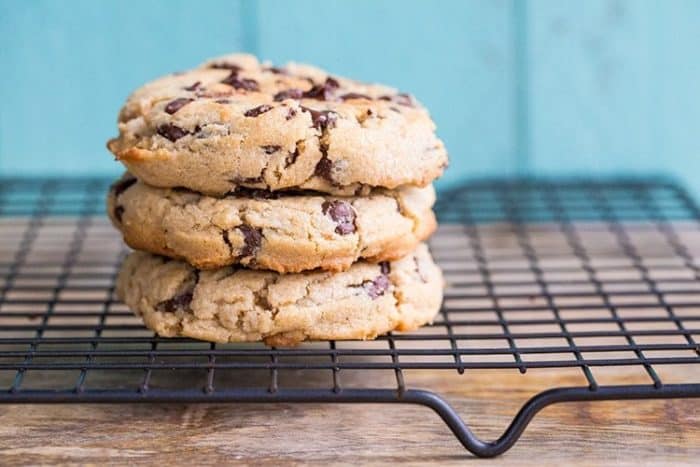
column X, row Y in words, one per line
column 275, row 70
column 324, row 169
column 227, row 240
column 343, row 215
column 354, row 95
column 377, row 287
column 171, row 132
column 271, row 149
column 254, row 112
column 261, row 300
column 319, row 92
column 193, row 86
column 122, row 185
column 290, row 114
column 293, row 93
column 225, row 66
column 252, row 238
column 323, row 92
column 177, row 104
column 401, row 99
column 240, row 83
column 222, row 101
column 247, row 84
column 118, row 213
column 178, row 302
column 385, row 267
column 182, row 300
column 291, row 158
column 244, row 83
column 321, row 119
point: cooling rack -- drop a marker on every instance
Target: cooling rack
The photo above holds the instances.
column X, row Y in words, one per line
column 541, row 274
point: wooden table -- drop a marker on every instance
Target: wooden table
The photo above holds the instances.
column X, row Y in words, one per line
column 623, row 433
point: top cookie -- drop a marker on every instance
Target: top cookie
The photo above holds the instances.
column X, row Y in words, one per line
column 237, row 122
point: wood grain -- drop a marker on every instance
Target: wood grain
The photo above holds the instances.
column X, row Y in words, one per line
column 621, row 433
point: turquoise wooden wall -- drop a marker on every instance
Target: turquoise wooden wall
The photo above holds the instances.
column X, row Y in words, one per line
column 542, row 86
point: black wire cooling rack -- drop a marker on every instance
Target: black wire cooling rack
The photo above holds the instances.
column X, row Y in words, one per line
column 541, row 274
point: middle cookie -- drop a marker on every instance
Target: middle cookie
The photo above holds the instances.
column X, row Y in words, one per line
column 280, row 231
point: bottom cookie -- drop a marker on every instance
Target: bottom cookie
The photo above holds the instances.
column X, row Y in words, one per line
column 240, row 305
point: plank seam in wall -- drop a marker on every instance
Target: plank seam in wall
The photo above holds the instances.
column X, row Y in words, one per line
column 520, row 87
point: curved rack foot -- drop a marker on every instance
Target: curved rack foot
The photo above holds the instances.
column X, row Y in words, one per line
column 528, row 411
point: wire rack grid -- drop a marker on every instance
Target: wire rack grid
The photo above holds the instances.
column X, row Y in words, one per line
column 541, row 274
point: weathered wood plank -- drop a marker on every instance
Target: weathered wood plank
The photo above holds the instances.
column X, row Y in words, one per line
column 623, row 433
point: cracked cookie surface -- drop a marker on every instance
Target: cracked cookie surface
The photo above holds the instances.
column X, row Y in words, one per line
column 236, row 122
column 235, row 305
column 279, row 231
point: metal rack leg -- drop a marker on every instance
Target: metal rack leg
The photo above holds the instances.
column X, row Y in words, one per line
column 411, row 396
column 538, row 402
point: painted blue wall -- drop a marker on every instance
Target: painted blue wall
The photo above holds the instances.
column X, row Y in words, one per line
column 541, row 86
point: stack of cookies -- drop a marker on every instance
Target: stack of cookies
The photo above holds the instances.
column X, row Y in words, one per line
column 276, row 204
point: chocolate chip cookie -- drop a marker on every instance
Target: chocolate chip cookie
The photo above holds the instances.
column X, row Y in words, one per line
column 235, row 122
column 281, row 231
column 232, row 305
